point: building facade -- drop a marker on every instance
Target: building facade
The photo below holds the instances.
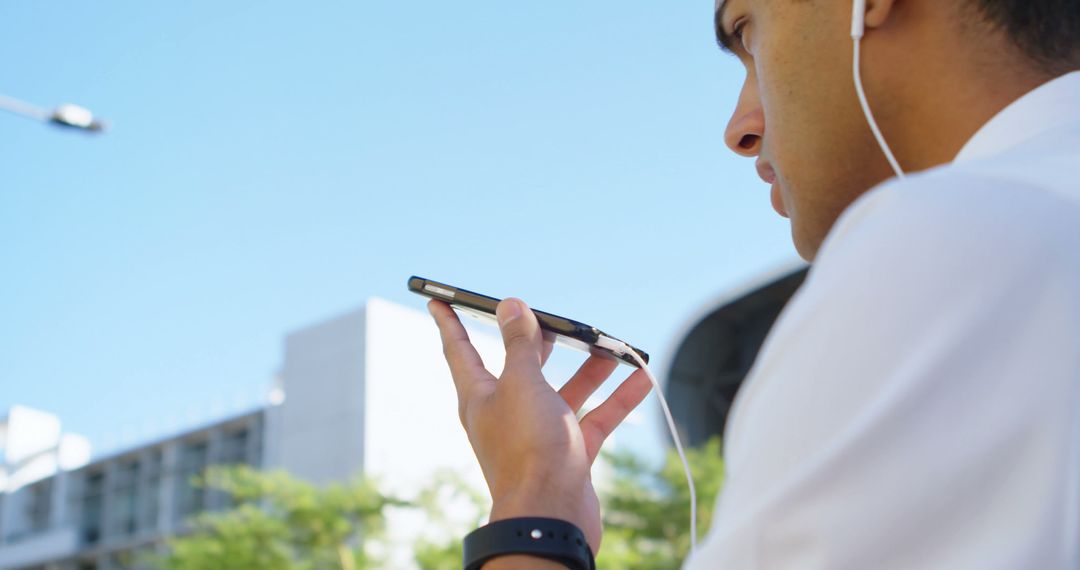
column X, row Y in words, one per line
column 106, row 513
column 365, row 393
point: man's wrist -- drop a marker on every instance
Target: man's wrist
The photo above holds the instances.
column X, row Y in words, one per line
column 522, row 562
column 538, row 502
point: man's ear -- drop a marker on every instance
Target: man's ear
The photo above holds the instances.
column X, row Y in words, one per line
column 878, row 12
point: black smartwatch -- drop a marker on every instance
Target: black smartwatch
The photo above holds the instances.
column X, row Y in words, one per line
column 550, row 539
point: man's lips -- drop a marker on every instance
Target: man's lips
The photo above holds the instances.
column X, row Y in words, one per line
column 777, row 201
column 766, row 172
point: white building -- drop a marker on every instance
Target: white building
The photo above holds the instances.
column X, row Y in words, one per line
column 367, row 392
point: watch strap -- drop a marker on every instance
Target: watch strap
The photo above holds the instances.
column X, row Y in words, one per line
column 551, row 539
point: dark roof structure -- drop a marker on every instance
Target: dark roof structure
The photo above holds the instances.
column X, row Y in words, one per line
column 713, row 358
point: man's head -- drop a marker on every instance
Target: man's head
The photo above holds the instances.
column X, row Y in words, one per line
column 934, row 71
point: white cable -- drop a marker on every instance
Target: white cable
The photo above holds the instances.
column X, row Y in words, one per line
column 870, row 115
column 23, row 108
column 620, row 347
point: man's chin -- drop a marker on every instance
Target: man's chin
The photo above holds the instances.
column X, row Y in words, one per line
column 806, row 247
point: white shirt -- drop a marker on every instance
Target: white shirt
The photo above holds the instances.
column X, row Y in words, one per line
column 917, row 404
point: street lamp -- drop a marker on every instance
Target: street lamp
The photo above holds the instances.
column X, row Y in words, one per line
column 70, row 116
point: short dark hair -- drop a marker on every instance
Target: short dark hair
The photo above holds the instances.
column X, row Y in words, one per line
column 1046, row 31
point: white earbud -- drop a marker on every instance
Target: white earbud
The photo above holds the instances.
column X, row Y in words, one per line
column 858, row 18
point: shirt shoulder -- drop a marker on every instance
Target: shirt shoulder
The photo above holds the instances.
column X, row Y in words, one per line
column 955, row 218
column 939, row 275
column 915, row 405
column 913, row 342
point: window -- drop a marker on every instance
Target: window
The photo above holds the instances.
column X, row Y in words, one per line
column 125, row 499
column 39, row 503
column 151, row 496
column 93, row 487
column 234, row 447
column 192, row 497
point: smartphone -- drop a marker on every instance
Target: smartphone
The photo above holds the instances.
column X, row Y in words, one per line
column 562, row 330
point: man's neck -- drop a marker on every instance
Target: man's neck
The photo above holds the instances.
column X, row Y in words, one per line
column 948, row 87
column 950, row 112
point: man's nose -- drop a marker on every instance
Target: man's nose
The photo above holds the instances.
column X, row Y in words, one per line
column 746, row 127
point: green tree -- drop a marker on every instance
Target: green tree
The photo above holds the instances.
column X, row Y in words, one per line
column 448, row 487
column 280, row 523
column 647, row 511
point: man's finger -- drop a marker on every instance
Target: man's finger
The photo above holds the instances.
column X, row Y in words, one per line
column 549, row 346
column 598, row 424
column 522, row 337
column 465, row 364
column 586, row 380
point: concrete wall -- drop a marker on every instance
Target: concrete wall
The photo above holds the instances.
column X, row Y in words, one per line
column 412, row 428
column 56, row 543
column 370, row 393
column 320, row 424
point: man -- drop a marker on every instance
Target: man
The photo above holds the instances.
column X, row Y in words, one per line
column 917, row 405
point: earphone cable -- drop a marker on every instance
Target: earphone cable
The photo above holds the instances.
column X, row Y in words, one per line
column 870, row 115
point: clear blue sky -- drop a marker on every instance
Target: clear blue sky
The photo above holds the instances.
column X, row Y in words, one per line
column 275, row 163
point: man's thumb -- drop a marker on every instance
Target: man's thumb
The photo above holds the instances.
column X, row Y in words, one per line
column 520, row 332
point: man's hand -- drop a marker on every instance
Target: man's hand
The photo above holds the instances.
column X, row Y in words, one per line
column 535, row 454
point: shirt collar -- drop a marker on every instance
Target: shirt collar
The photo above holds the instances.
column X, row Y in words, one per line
column 1053, row 103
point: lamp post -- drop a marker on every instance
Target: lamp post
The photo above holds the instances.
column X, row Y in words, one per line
column 67, row 115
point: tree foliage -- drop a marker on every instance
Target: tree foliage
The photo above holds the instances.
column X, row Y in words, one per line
column 280, row 523
column 448, row 487
column 647, row 510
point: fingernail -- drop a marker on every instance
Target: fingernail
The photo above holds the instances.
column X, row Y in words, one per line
column 508, row 311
